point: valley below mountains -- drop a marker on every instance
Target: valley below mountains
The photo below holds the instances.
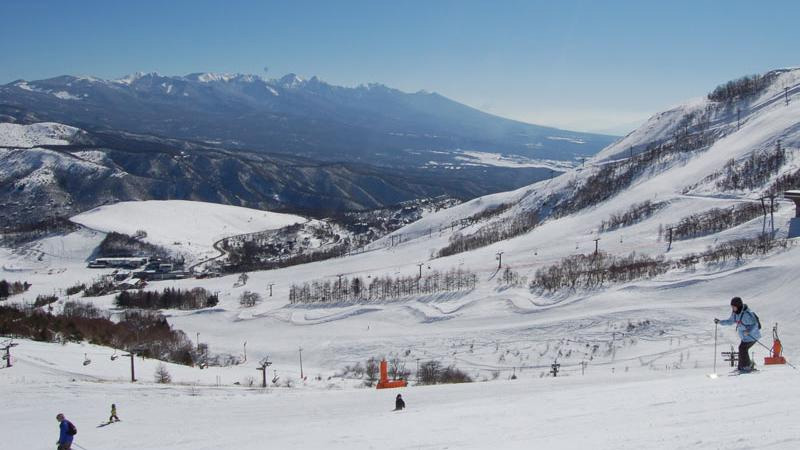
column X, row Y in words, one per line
column 289, row 145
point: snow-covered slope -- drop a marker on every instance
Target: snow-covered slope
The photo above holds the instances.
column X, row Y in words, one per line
column 188, row 228
column 712, row 134
column 44, row 133
column 35, row 168
column 490, row 310
column 719, row 115
column 647, row 343
column 601, row 410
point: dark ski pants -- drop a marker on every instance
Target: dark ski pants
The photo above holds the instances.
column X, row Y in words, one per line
column 66, row 446
column 744, row 354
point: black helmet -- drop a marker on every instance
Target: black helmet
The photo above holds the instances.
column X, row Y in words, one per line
column 737, row 302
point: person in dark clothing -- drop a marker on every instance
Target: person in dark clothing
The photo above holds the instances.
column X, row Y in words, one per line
column 747, row 326
column 399, row 403
column 64, row 436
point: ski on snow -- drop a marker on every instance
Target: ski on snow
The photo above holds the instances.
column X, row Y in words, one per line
column 736, row 373
column 104, row 424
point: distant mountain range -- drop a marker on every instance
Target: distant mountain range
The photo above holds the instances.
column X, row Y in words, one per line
column 373, row 124
column 286, row 144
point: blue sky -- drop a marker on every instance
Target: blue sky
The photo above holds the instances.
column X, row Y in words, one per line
column 573, row 64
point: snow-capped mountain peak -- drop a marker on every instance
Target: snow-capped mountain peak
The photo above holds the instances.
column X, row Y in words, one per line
column 291, row 80
column 212, row 77
column 134, row 77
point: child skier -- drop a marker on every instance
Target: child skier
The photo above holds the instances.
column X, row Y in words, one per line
column 113, row 417
column 399, row 404
column 748, row 325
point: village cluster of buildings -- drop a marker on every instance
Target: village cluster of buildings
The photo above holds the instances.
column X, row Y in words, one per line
column 144, row 267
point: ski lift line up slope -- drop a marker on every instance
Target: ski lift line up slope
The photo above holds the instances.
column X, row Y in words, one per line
column 662, row 125
column 758, row 134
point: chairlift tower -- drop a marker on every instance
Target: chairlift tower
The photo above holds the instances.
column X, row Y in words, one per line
column 794, row 223
column 301, row 363
column 263, row 368
column 7, row 356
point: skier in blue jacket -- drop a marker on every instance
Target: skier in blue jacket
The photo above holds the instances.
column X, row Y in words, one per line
column 64, row 436
column 748, row 327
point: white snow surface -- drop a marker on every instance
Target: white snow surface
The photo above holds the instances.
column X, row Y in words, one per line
column 602, row 410
column 662, row 125
column 64, row 95
column 568, row 139
column 37, row 167
column 133, row 77
column 43, row 133
column 516, row 161
column 648, row 343
column 187, row 227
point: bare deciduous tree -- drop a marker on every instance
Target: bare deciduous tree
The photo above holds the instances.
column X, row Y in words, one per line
column 249, row 299
column 371, row 369
column 382, row 288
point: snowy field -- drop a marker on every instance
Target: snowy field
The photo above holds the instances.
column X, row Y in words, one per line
column 185, row 227
column 677, row 409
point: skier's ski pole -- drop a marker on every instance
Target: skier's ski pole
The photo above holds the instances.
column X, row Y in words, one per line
column 770, row 350
column 715, row 346
column 76, row 445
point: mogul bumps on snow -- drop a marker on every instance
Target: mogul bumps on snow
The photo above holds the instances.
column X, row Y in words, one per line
column 748, row 326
